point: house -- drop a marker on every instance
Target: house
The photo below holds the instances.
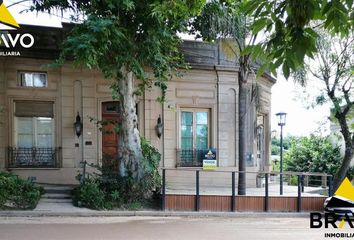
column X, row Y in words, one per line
column 41, row 104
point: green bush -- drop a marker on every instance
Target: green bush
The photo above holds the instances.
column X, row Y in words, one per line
column 313, row 154
column 152, row 157
column 17, row 193
column 276, row 144
column 89, row 195
column 275, row 150
column 138, row 191
column 293, row 181
column 134, row 206
column 275, row 165
column 105, row 189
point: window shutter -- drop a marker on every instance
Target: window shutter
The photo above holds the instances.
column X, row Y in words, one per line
column 34, row 109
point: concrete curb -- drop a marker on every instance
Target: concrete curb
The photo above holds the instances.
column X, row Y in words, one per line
column 91, row 213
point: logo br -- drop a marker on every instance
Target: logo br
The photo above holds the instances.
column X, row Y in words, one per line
column 317, row 220
column 339, row 207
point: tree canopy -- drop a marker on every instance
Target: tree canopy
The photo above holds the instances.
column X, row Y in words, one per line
column 288, row 30
column 332, row 72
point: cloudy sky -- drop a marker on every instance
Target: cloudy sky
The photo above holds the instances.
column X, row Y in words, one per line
column 297, row 101
column 286, row 96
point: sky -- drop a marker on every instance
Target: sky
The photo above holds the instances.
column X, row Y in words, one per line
column 286, row 96
column 302, row 118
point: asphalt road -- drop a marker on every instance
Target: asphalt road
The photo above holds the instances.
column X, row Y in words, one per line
column 171, row 228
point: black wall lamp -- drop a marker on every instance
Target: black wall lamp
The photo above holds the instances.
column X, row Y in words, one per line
column 159, row 127
column 78, row 125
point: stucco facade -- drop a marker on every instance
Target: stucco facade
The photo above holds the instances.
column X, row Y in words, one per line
column 210, row 86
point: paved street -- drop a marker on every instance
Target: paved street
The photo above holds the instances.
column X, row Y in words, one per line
column 158, row 228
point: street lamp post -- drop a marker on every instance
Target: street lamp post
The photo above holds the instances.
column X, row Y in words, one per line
column 281, row 122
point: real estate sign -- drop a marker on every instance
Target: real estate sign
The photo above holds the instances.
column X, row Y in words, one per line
column 210, row 163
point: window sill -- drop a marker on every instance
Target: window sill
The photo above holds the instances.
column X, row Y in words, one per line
column 33, row 168
column 181, row 167
column 31, row 87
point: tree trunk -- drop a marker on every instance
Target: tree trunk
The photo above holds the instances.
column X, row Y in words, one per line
column 129, row 148
column 348, row 154
column 243, row 118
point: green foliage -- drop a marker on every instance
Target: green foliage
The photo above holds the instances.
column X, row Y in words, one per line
column 287, row 24
column 275, row 165
column 134, row 206
column 331, row 69
column 275, row 150
column 313, row 154
column 151, row 163
column 105, row 189
column 276, row 145
column 18, row 193
column 102, row 125
column 289, row 28
column 89, row 195
column 226, row 20
column 293, row 180
column 99, row 191
column 221, row 20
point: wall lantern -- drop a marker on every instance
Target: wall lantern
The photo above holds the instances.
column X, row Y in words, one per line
column 274, row 134
column 78, row 125
column 281, row 118
column 159, row 127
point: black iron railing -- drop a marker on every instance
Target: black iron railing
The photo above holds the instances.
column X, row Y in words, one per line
column 299, row 177
column 191, row 157
column 33, row 157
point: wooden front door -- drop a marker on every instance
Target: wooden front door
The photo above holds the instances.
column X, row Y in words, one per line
column 110, row 136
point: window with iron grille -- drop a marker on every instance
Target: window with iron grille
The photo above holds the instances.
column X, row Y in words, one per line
column 194, row 136
column 33, row 134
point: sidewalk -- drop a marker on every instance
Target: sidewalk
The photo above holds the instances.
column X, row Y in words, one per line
column 44, row 209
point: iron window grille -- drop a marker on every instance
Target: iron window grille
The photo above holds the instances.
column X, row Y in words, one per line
column 191, row 157
column 34, row 157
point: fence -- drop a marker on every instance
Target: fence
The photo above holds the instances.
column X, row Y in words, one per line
column 33, row 157
column 259, row 198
